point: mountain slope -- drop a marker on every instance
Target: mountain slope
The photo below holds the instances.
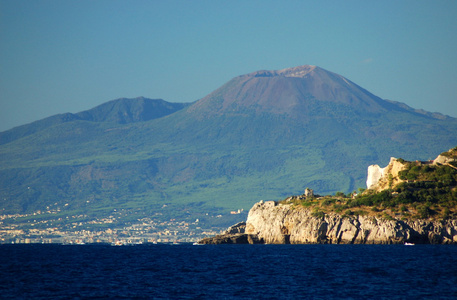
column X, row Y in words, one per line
column 263, row 135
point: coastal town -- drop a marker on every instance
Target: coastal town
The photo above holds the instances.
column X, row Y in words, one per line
column 40, row 227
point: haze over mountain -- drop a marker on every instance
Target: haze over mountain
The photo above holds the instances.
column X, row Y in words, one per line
column 263, row 135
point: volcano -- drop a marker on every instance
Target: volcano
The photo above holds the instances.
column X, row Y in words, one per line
column 290, row 91
column 263, row 135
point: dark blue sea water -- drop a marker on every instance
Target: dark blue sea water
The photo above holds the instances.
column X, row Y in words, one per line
column 228, row 272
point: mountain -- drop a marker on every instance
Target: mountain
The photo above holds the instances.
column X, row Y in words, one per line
column 120, row 111
column 262, row 135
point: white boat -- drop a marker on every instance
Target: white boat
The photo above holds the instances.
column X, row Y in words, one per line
column 409, row 244
column 117, row 243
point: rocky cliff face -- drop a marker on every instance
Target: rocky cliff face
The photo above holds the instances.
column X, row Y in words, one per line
column 274, row 223
column 282, row 223
column 379, row 179
column 447, row 158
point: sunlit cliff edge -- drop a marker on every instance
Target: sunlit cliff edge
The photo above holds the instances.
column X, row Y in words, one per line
column 405, row 202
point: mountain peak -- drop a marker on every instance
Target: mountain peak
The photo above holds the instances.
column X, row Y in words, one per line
column 300, row 71
column 125, row 110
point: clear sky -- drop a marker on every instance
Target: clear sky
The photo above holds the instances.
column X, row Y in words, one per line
column 67, row 56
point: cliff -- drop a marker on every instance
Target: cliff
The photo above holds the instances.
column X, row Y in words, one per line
column 380, row 179
column 383, row 178
column 275, row 223
column 448, row 158
column 406, row 202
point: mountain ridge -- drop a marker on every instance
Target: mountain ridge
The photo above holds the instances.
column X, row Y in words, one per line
column 119, row 111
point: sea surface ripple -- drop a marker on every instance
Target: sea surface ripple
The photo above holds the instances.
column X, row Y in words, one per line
column 228, row 272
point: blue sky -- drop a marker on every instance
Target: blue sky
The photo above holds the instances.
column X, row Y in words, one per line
column 69, row 56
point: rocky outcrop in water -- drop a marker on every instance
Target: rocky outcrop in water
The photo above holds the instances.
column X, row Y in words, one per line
column 234, row 235
column 273, row 223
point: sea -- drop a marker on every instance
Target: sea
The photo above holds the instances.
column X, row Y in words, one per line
column 186, row 271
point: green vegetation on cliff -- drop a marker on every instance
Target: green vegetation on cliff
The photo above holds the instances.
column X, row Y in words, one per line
column 427, row 191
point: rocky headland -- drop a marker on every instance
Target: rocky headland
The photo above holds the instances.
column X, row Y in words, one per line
column 397, row 208
column 275, row 223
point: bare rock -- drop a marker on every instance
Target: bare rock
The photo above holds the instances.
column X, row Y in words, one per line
column 284, row 224
column 379, row 179
column 237, row 228
column 236, row 238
